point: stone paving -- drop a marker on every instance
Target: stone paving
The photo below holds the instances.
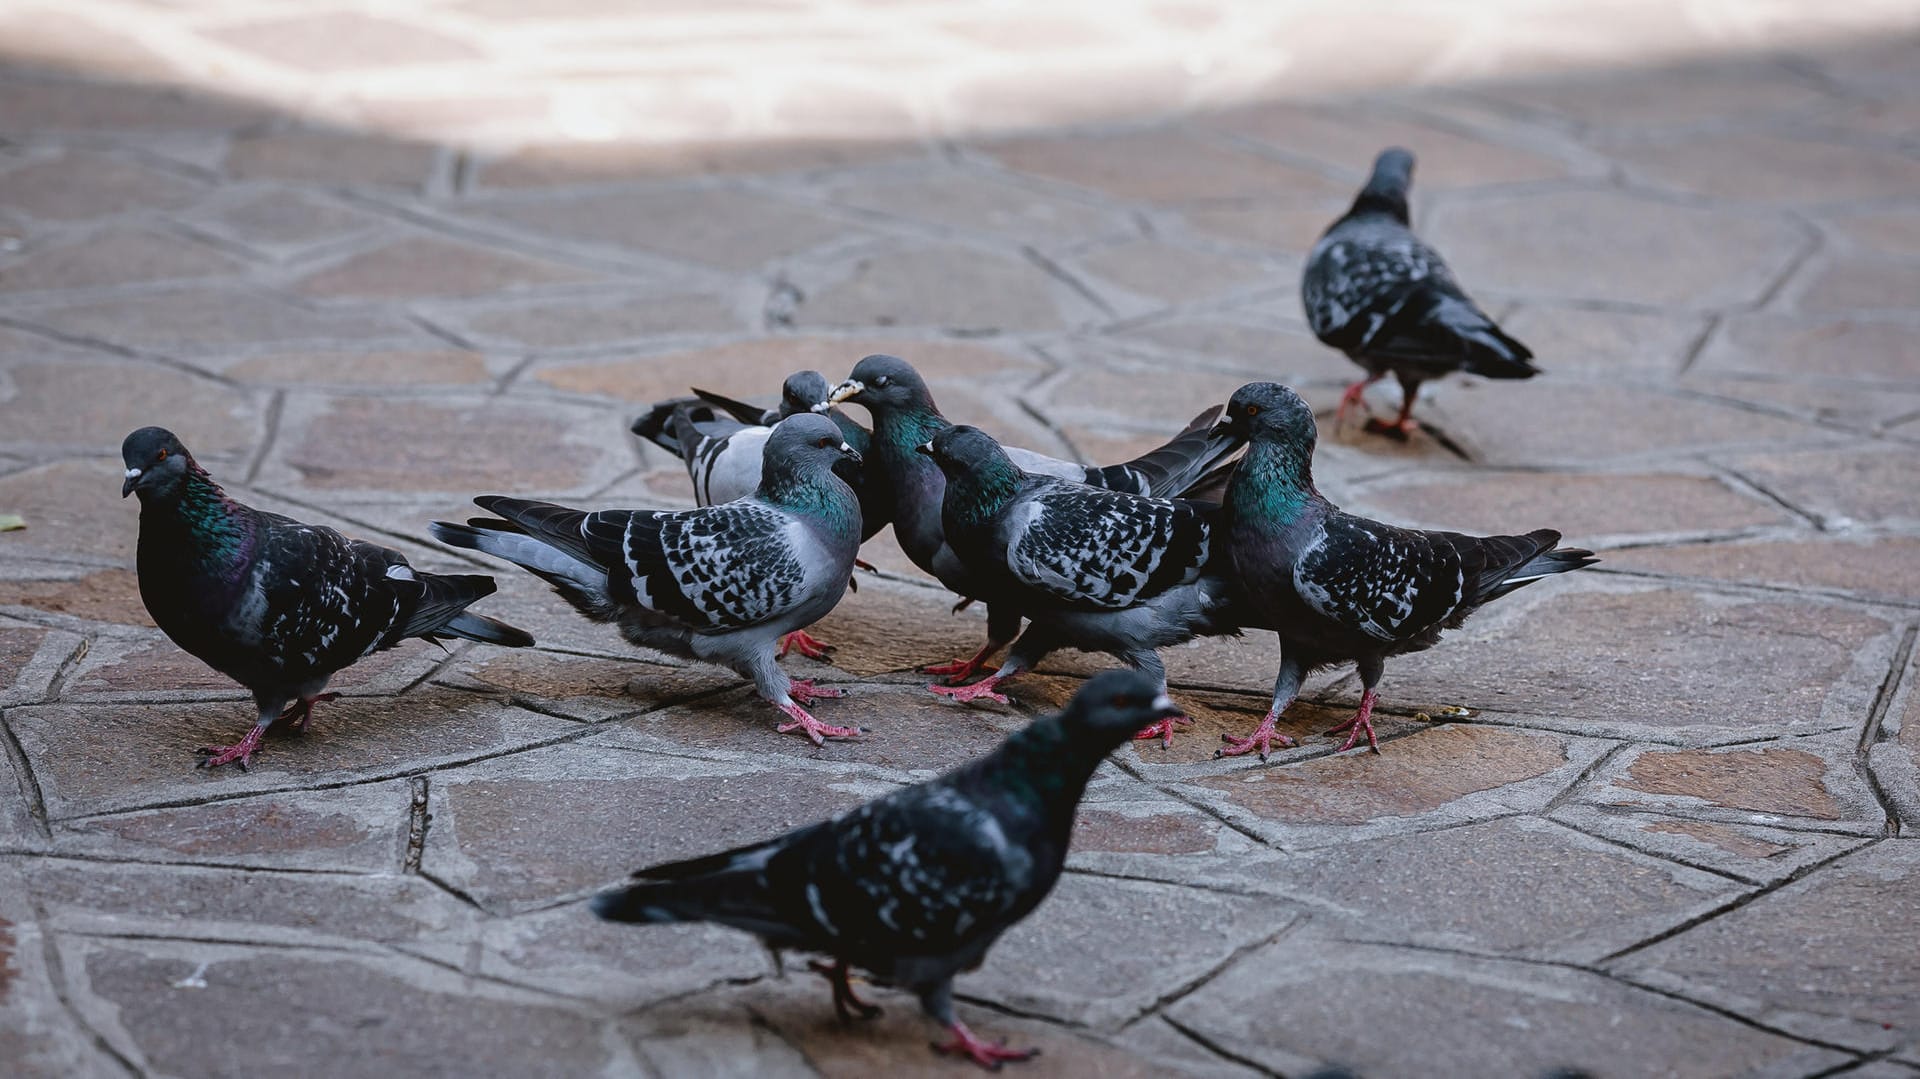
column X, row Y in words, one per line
column 366, row 277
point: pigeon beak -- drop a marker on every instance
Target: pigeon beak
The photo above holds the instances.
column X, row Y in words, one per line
column 847, row 389
column 850, row 453
column 133, row 480
column 1163, row 707
column 925, row 448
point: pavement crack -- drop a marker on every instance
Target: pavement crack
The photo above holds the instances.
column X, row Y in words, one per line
column 1876, row 716
column 1219, row 1050
column 417, row 820
column 276, row 407
column 28, row 782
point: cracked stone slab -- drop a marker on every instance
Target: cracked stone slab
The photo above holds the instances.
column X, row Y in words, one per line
column 1586, row 508
column 958, row 289
column 563, row 822
column 97, row 758
column 967, row 203
column 1883, row 569
column 1756, row 853
column 196, row 318
column 346, row 911
column 147, row 668
column 361, row 828
column 1447, row 775
column 1456, row 889
column 1894, row 756
column 1803, row 782
column 1638, row 664
column 1290, row 1007
column 39, row 1036
column 30, row 659
column 1785, row 346
column 1101, row 952
column 587, row 688
column 53, row 407
column 786, row 1027
column 1842, row 486
column 569, row 952
column 1822, row 957
column 191, row 1008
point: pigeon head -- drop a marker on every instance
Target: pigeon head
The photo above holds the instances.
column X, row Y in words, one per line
column 803, row 391
column 1112, row 707
column 963, row 450
column 883, row 382
column 1387, row 187
column 800, row 454
column 1269, row 412
column 157, row 464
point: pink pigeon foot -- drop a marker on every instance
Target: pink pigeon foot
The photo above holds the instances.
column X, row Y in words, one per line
column 806, row 644
column 1356, row 395
column 1362, row 722
column 1261, row 740
column 300, row 712
column 804, row 691
column 242, row 751
column 812, row 727
column 962, row 669
column 974, row 692
column 846, row 1003
column 1163, row 730
column 986, row 1054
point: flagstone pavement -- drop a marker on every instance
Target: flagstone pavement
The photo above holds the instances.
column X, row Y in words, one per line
column 371, row 260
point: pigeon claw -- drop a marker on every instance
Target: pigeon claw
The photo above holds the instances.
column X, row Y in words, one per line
column 988, row 1055
column 241, row 751
column 805, row 643
column 1162, row 730
column 962, row 669
column 974, row 692
column 1261, row 740
column 846, row 1003
column 814, row 729
column 1361, row 723
column 804, row 691
column 300, row 712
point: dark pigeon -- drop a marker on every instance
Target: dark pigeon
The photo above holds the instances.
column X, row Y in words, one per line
column 1339, row 588
column 915, row 886
column 278, row 606
column 1374, row 291
column 905, row 418
column 1098, row 570
column 721, row 583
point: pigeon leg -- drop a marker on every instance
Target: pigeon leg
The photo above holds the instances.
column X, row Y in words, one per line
column 1286, row 685
column 300, row 713
column 804, row 691
column 986, row 1054
column 1402, row 427
column 1163, row 730
column 1356, row 395
column 960, row 670
column 846, row 1003
column 808, row 645
column 242, row 751
column 812, row 727
column 1362, row 721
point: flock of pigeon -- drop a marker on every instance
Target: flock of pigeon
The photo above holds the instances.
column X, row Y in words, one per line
column 1219, row 529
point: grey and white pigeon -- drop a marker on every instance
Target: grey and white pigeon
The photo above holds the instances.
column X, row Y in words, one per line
column 722, row 454
column 1339, row 588
column 278, row 606
column 905, row 418
column 1375, row 291
column 721, row 583
column 916, row 886
column 1098, row 570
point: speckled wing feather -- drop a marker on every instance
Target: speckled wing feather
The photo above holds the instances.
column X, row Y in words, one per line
column 1388, row 583
column 721, row 567
column 1360, row 275
column 318, row 601
column 1103, row 548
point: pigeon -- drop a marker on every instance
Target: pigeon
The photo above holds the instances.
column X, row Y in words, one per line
column 1374, row 291
column 720, row 583
column 905, row 417
column 723, row 453
column 1097, row 570
column 916, row 886
column 278, row 606
column 1340, row 588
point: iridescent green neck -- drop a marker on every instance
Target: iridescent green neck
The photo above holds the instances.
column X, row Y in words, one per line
column 822, row 497
column 1274, row 482
column 900, row 430
column 977, row 495
column 218, row 533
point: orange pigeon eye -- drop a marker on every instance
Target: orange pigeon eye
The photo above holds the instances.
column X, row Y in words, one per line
column 161, row 456
column 1253, row 410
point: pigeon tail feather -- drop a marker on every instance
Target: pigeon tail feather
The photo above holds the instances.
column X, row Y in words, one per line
column 1516, row 561
column 442, row 611
column 1182, row 463
column 577, row 579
